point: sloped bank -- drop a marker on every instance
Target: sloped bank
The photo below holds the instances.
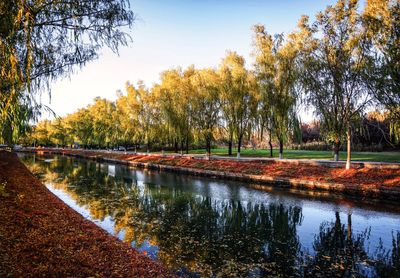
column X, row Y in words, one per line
column 40, row 236
column 378, row 181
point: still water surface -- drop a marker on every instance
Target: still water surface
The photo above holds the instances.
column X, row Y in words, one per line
column 203, row 227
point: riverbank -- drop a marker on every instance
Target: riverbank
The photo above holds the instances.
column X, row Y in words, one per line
column 41, row 236
column 364, row 180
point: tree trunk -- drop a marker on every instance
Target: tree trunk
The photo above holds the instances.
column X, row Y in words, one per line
column 270, row 144
column 230, row 144
column 280, row 148
column 208, row 148
column 176, row 146
column 181, row 147
column 348, row 161
column 239, row 146
column 336, row 148
column 187, row 144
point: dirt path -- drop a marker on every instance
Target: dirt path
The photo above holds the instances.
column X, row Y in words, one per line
column 41, row 236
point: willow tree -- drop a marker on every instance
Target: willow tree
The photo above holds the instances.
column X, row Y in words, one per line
column 238, row 97
column 102, row 112
column 334, row 64
column 206, row 104
column 59, row 134
column 80, row 124
column 276, row 71
column 382, row 22
column 176, row 104
column 42, row 40
column 148, row 115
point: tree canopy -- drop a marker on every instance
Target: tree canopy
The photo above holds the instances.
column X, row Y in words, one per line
column 42, row 40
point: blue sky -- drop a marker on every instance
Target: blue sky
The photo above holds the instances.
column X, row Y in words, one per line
column 172, row 33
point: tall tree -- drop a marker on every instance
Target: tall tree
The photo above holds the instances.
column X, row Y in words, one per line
column 206, row 104
column 276, row 71
column 59, row 135
column 265, row 71
column 102, row 111
column 238, row 97
column 80, row 124
column 382, row 22
column 334, row 63
column 176, row 103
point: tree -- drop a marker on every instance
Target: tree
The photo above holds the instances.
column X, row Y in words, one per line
column 382, row 22
column 238, row 97
column 143, row 111
column 102, row 112
column 59, row 134
column 176, row 104
column 125, row 121
column 334, row 63
column 80, row 124
column 206, row 104
column 276, row 72
column 264, row 68
column 42, row 40
column 42, row 133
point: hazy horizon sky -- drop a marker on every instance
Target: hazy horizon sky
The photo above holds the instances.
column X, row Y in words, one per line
column 172, row 33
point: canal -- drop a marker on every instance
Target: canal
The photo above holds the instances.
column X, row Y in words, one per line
column 204, row 227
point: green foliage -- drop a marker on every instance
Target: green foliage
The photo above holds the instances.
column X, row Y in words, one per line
column 239, row 96
column 42, row 40
column 206, row 104
column 276, row 71
column 382, row 24
column 335, row 64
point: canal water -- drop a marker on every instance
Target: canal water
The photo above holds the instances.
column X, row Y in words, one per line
column 203, row 227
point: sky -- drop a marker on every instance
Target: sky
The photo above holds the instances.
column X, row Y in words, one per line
column 173, row 33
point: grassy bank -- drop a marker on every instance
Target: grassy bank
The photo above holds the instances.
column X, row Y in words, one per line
column 300, row 154
column 40, row 236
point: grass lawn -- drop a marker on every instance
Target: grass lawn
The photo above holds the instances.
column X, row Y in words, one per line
column 362, row 156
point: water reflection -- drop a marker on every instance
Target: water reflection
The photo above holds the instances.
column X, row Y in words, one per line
column 205, row 228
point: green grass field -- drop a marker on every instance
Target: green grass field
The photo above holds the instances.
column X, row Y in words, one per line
column 360, row 156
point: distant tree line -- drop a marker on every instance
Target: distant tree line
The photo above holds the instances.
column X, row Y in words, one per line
column 340, row 66
column 372, row 133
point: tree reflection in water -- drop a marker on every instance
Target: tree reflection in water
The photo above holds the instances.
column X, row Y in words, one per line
column 197, row 234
